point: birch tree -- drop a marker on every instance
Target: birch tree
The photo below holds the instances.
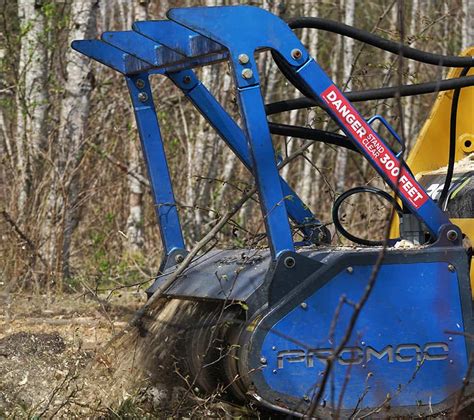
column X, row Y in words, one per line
column 341, row 157
column 75, row 105
column 134, row 228
column 32, row 95
column 467, row 23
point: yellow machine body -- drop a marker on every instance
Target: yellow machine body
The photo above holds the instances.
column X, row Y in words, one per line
column 431, row 150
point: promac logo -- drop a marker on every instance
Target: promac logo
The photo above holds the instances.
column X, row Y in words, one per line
column 402, row 353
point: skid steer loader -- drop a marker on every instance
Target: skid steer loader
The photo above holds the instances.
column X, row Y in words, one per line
column 305, row 328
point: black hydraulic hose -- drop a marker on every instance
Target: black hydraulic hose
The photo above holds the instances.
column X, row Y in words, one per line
column 452, row 143
column 379, row 42
column 312, row 134
column 372, row 94
column 357, row 190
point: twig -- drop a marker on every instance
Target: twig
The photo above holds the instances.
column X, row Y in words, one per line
column 23, row 236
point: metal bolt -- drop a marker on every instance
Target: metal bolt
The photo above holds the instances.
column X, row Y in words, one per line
column 305, row 397
column 296, row 54
column 196, row 389
column 350, row 270
column 304, row 305
column 451, row 362
column 452, row 235
column 140, row 84
column 451, row 268
column 244, row 59
column 274, row 348
column 289, row 262
column 274, row 371
column 263, row 361
column 362, row 343
column 187, row 79
column 179, row 258
column 142, row 97
column 450, row 338
column 247, row 73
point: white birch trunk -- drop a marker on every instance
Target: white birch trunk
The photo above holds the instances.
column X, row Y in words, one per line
column 32, row 95
column 134, row 228
column 409, row 110
column 341, row 157
column 309, row 176
column 467, row 23
column 74, row 113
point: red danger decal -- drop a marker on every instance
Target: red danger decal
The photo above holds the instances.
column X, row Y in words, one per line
column 373, row 147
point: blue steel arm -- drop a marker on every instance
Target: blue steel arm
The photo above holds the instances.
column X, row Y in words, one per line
column 202, row 99
column 226, row 127
column 150, row 137
column 243, row 30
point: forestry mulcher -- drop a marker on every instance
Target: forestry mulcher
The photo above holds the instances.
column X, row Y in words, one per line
column 305, row 328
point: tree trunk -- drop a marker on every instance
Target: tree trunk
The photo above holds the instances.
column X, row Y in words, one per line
column 410, row 111
column 134, row 228
column 75, row 105
column 341, row 157
column 32, row 96
column 309, row 177
column 467, row 23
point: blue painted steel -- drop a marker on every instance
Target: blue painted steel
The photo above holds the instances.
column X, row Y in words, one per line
column 273, row 201
column 242, row 30
column 155, row 158
column 178, row 38
column 155, row 53
column 231, row 133
column 317, row 81
column 210, row 109
column 265, row 170
column 110, row 56
column 391, row 131
column 142, row 47
column 410, row 304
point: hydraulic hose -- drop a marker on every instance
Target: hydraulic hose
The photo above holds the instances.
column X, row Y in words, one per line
column 372, row 94
column 357, row 190
column 312, row 134
column 379, row 42
column 452, row 143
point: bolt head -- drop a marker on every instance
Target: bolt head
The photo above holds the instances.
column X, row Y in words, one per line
column 450, row 338
column 263, row 361
column 296, row 53
column 179, row 258
column 304, row 305
column 186, row 79
column 274, row 348
column 452, row 235
column 243, row 59
column 350, row 270
column 289, row 262
column 142, row 97
column 247, row 74
column 451, row 268
column 274, row 371
column 140, row 84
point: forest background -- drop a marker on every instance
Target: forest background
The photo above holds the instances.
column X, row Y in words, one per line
column 75, row 203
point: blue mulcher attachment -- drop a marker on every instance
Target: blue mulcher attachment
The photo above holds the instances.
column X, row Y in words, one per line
column 406, row 353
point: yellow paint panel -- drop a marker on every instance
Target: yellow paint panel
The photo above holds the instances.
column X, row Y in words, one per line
column 431, row 149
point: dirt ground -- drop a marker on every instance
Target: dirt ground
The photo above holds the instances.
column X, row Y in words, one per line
column 76, row 356
column 45, row 342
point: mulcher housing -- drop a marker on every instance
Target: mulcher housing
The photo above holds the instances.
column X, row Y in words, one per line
column 408, row 353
